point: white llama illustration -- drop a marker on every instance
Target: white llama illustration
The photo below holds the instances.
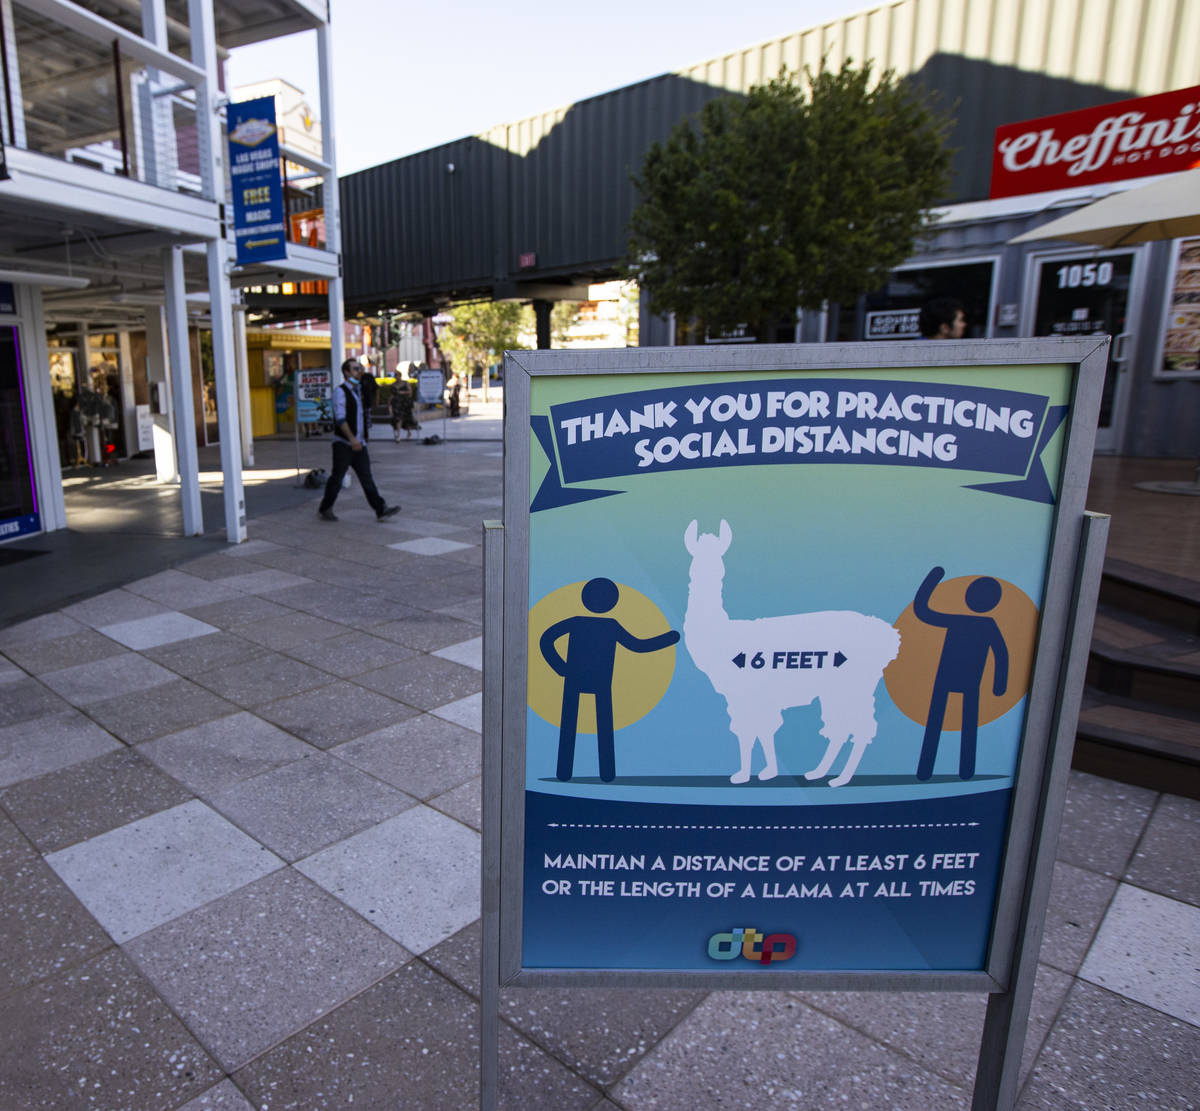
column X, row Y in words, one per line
column 769, row 664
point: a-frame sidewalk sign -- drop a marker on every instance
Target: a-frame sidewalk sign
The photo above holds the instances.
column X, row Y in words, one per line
column 783, row 655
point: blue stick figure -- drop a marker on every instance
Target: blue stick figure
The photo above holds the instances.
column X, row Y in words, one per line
column 969, row 639
column 588, row 669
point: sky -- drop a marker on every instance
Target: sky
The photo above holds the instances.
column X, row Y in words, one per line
column 407, row 77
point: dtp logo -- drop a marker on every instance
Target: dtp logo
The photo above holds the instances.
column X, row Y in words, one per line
column 746, row 941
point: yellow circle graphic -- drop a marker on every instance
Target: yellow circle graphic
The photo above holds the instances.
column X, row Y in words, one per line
column 640, row 679
column 909, row 677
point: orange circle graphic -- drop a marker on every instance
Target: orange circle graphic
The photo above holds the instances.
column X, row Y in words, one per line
column 909, row 677
column 639, row 680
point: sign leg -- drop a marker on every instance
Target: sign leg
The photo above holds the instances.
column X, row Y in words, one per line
column 493, row 691
column 999, row 1068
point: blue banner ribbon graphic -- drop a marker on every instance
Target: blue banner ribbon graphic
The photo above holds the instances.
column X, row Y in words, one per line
column 802, row 420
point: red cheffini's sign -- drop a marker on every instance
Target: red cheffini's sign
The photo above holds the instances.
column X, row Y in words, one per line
column 1130, row 138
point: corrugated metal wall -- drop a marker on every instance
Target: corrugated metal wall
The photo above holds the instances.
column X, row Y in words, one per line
column 557, row 184
column 576, row 194
column 423, row 222
column 1145, row 46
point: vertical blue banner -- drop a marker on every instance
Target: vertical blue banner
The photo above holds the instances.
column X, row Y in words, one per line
column 258, row 216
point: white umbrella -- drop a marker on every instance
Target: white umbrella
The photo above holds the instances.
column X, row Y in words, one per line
column 1165, row 209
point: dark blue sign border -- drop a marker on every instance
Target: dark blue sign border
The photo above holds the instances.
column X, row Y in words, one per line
column 25, row 525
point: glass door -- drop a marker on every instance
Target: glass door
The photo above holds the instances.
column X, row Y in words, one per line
column 18, row 499
column 1090, row 293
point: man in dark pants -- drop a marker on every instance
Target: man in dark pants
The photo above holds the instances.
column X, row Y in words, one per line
column 350, row 445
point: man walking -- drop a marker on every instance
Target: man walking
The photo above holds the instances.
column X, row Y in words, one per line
column 350, row 423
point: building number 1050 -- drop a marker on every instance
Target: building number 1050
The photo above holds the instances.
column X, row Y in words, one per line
column 1090, row 273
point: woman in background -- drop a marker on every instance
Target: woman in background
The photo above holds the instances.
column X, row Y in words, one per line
column 400, row 408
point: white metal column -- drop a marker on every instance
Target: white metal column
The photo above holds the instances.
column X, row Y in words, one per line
column 125, row 397
column 225, row 372
column 204, row 56
column 162, row 406
column 158, row 161
column 13, row 71
column 243, row 379
column 39, row 399
column 181, row 390
column 333, row 218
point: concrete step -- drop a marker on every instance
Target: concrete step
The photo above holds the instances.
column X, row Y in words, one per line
column 1140, row 720
column 1137, row 657
column 1139, row 743
column 1167, row 599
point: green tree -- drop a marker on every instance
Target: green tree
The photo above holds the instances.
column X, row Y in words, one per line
column 479, row 333
column 792, row 195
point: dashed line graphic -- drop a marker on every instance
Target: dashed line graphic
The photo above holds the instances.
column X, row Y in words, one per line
column 631, row 825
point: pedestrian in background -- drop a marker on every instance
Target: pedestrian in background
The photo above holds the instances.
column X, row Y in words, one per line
column 400, row 408
column 369, row 388
column 942, row 318
column 350, row 424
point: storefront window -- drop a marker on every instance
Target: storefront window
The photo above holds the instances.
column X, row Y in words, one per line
column 208, row 390
column 106, row 385
column 272, row 367
column 65, row 394
column 891, row 312
column 18, row 501
column 844, row 322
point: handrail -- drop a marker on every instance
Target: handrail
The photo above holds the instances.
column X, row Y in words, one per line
column 302, row 158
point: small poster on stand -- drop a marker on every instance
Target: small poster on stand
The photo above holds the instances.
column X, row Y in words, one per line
column 314, row 395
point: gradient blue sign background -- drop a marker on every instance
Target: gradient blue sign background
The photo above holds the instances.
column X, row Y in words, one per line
column 855, row 536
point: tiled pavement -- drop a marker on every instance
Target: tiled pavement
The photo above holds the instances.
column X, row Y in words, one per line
column 239, row 845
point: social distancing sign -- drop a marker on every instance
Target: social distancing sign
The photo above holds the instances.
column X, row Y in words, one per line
column 776, row 644
column 781, row 683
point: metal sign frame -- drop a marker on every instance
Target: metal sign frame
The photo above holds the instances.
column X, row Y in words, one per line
column 1071, row 582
